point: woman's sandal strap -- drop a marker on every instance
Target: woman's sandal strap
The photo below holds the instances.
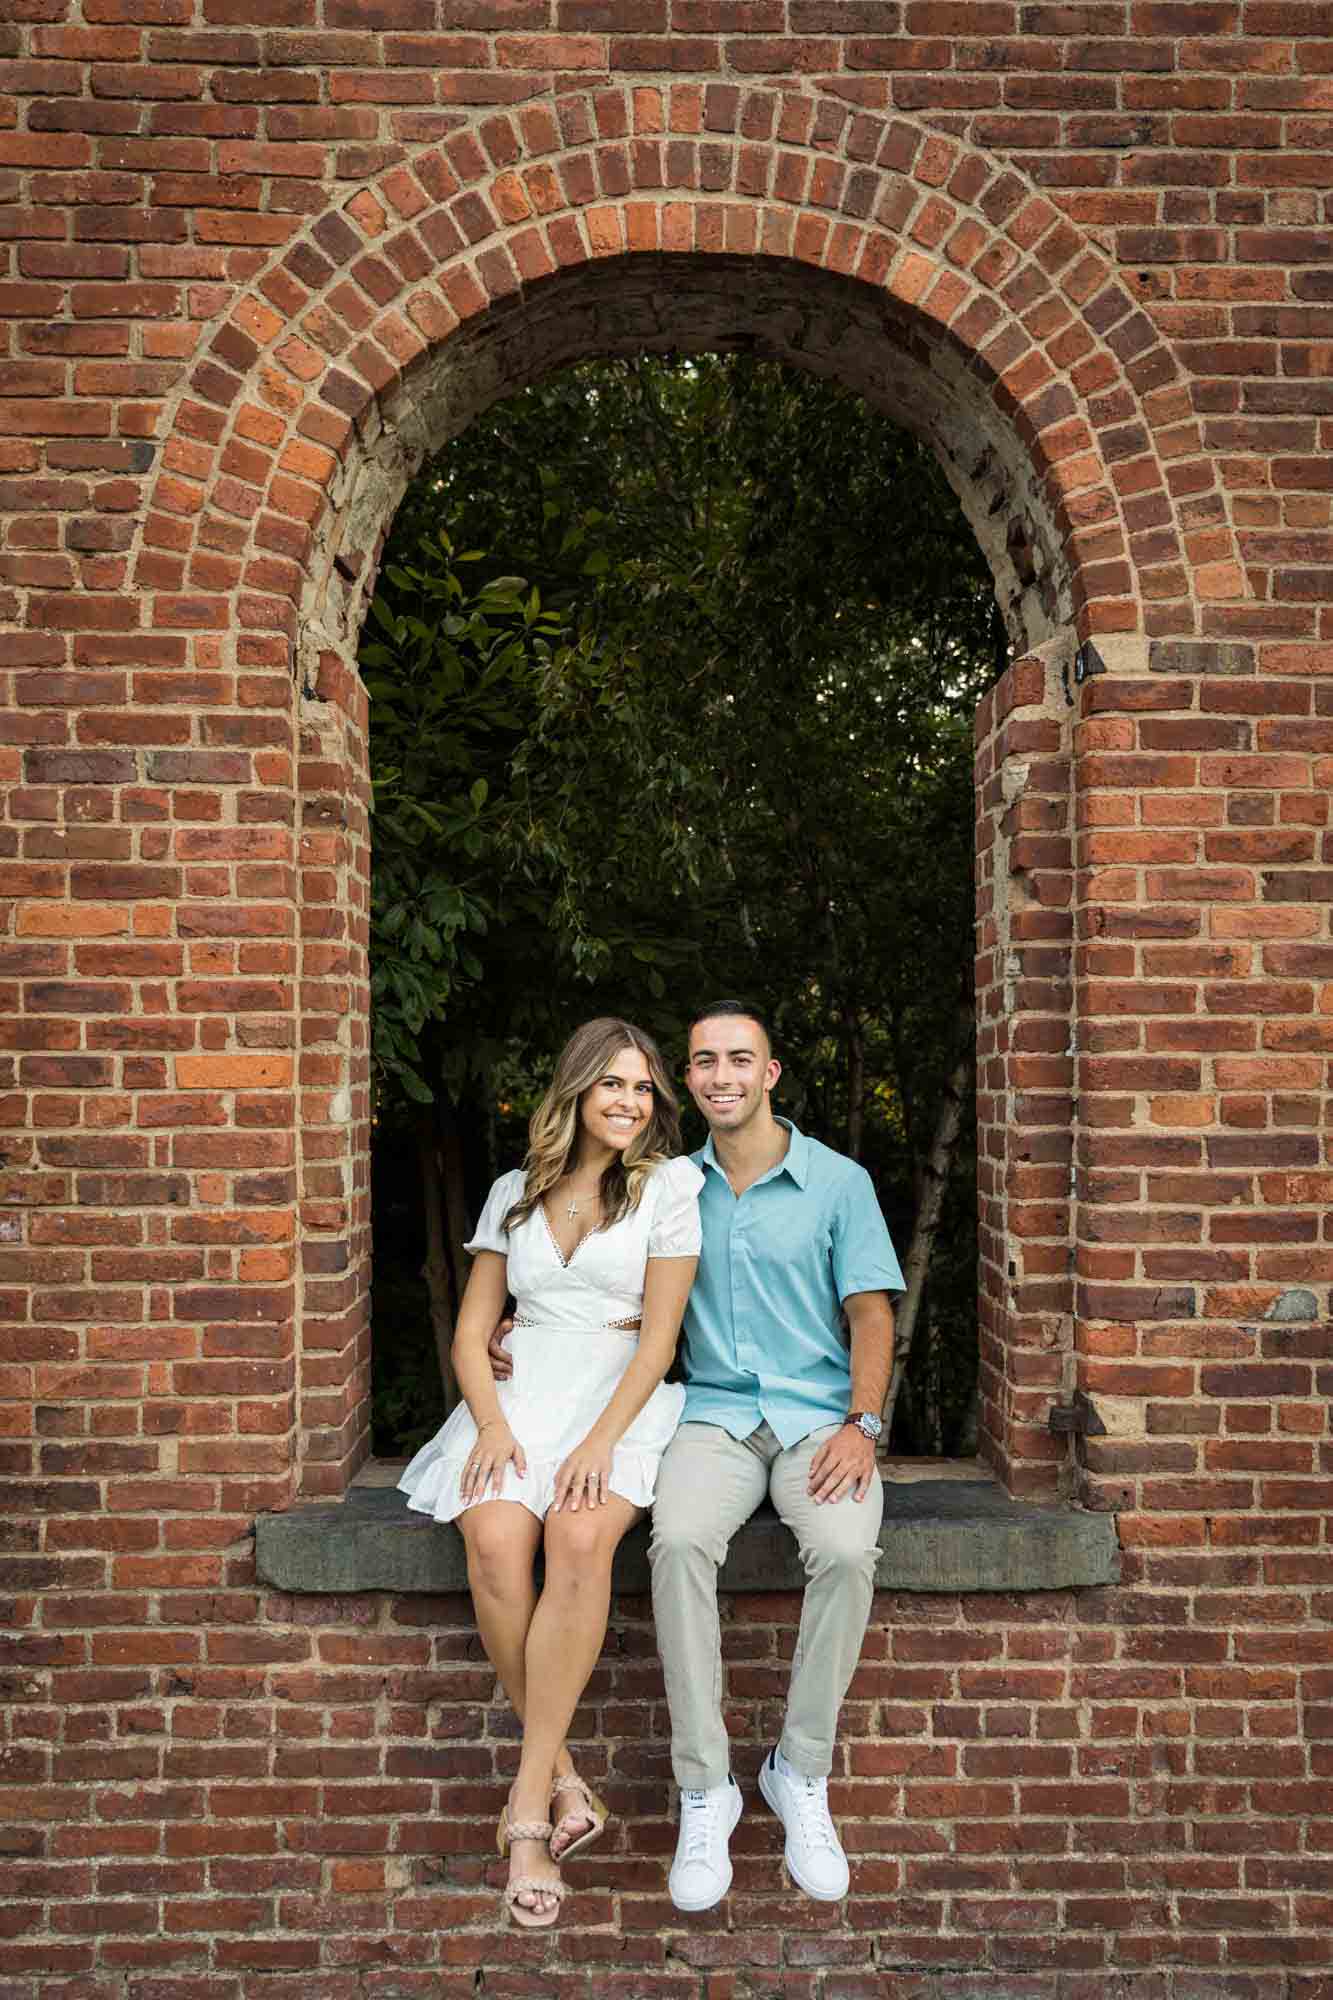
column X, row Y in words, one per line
column 529, row 1885
column 572, row 1783
column 528, row 1829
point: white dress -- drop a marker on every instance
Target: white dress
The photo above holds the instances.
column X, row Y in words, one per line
column 568, row 1352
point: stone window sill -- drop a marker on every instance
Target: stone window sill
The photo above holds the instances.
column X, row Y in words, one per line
column 948, row 1527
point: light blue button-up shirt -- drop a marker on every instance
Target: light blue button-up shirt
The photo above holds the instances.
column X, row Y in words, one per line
column 763, row 1334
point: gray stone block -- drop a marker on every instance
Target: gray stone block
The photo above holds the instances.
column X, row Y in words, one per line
column 1296, row 1303
column 939, row 1536
column 1201, row 656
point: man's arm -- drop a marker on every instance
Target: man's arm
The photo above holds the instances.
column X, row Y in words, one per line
column 848, row 1460
column 870, row 1318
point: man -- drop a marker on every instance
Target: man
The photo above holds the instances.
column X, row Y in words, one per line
column 793, row 1240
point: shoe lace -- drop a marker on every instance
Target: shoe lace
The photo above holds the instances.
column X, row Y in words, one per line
column 811, row 1795
column 698, row 1824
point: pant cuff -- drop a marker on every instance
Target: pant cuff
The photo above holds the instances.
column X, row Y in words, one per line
column 812, row 1760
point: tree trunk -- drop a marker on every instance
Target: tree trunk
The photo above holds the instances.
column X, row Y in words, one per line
column 902, row 1074
column 456, row 1226
column 435, row 1270
column 934, row 1385
column 969, row 1434
column 905, row 1414
column 855, row 1043
column 743, row 907
column 934, row 1184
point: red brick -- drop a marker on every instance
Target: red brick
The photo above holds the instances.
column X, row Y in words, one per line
column 188, row 192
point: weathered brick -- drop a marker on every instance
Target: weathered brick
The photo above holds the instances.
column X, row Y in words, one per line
column 1088, row 245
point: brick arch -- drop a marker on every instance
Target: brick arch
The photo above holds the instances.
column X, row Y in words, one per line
column 1074, row 423
column 204, row 1770
column 914, row 268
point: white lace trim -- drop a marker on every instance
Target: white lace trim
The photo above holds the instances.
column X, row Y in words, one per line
column 629, row 1325
column 434, row 1489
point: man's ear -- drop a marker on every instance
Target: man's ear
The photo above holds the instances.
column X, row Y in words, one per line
column 772, row 1073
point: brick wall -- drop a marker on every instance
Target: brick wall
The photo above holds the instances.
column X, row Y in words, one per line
column 1025, row 1067
column 331, row 1413
column 259, row 255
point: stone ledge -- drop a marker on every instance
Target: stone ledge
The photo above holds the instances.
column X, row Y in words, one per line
column 940, row 1536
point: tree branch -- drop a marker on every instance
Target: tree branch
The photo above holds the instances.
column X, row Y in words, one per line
column 935, row 1181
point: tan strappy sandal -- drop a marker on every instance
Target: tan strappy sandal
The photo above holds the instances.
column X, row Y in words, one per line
column 519, row 1885
column 594, row 1809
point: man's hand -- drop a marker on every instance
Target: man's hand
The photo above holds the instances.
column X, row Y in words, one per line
column 846, row 1460
column 501, row 1360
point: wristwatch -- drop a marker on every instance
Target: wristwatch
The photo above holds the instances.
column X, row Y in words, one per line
column 868, row 1425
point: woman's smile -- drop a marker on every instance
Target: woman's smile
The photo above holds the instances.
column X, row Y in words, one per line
column 618, row 1107
column 623, row 1124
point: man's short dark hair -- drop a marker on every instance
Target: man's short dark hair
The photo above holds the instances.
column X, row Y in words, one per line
column 745, row 1009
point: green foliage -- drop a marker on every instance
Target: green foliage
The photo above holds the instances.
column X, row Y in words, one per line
column 506, row 744
column 691, row 714
column 407, row 1398
column 449, row 667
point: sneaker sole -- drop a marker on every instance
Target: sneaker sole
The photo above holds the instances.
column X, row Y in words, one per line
column 806, row 1888
column 693, row 1909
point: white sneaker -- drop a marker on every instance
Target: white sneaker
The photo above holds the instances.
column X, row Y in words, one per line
column 813, row 1854
column 701, row 1872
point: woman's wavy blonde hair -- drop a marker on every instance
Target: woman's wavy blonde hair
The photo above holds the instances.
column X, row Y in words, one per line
column 553, row 1130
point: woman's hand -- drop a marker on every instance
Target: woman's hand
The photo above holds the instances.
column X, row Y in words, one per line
column 495, row 1446
column 585, row 1477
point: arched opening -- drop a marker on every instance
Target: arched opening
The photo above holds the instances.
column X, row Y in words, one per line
column 836, row 329
column 673, row 666
column 918, row 270
column 821, row 322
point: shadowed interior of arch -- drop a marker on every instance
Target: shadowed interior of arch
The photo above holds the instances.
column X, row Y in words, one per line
column 733, row 751
column 845, row 331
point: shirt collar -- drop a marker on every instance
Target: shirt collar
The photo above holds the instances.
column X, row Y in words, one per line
column 796, row 1161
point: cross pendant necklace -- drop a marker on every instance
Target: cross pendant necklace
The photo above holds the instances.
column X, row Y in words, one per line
column 575, row 1203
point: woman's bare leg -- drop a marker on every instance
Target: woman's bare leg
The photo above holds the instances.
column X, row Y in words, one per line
column 501, row 1537
column 565, row 1636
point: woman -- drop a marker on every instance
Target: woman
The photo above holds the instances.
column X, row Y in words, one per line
column 597, row 1237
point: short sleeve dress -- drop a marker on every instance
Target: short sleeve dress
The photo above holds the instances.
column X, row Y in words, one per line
column 570, row 1346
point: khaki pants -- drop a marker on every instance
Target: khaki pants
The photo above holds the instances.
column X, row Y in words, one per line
column 708, row 1484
